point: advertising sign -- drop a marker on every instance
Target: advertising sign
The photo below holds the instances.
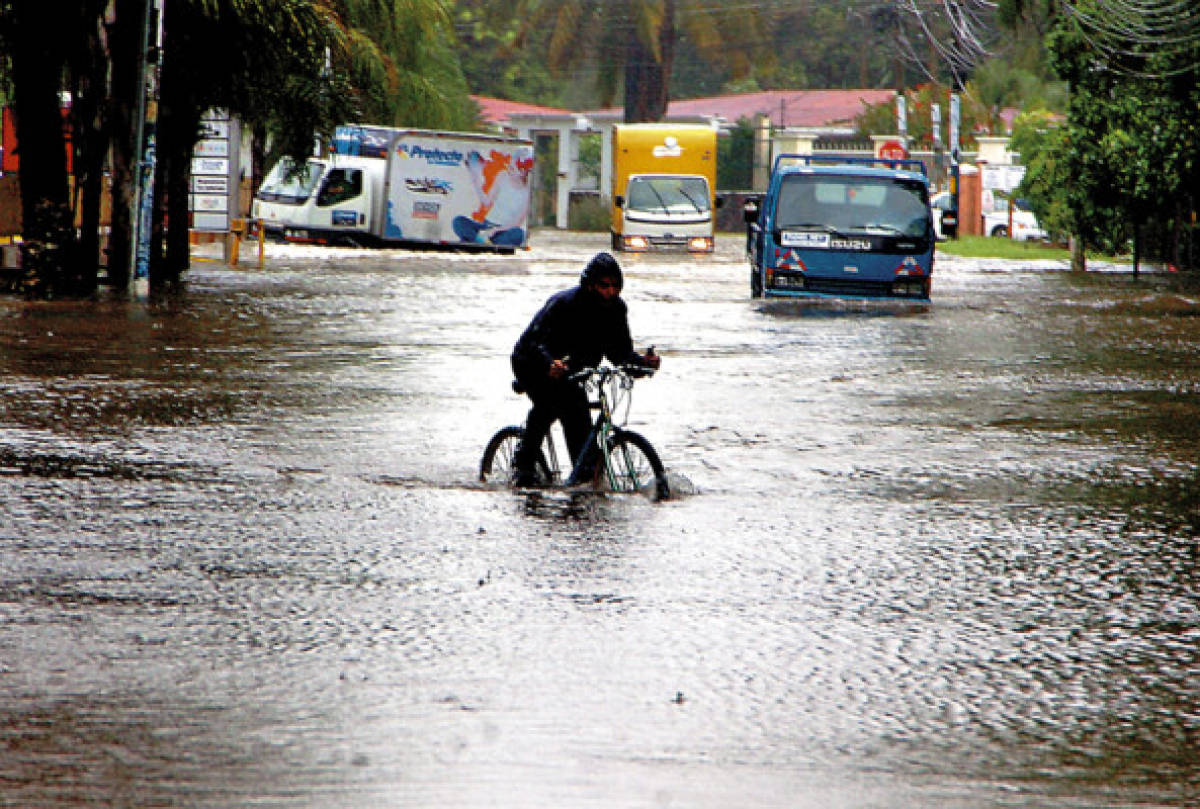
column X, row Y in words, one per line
column 459, row 189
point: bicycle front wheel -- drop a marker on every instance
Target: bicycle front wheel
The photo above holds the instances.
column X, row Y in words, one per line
column 634, row 466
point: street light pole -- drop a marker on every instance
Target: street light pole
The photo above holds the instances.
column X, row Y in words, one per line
column 147, row 122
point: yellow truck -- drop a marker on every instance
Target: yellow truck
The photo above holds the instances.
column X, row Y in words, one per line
column 664, row 187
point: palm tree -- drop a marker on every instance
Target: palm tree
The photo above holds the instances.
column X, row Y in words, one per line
column 292, row 68
column 633, row 42
column 399, row 53
column 272, row 67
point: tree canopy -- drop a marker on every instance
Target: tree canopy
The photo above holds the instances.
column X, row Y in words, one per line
column 1124, row 166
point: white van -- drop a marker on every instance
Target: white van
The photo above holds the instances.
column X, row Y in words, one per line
column 1025, row 227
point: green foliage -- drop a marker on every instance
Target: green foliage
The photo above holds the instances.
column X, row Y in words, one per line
column 735, row 157
column 590, row 213
column 402, row 60
column 589, row 155
column 1128, row 150
column 998, row 84
column 494, row 67
column 586, row 53
column 1040, row 139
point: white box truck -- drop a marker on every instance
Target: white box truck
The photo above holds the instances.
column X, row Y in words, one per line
column 381, row 186
column 664, row 186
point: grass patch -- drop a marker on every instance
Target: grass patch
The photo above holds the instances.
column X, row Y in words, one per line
column 994, row 247
column 991, row 247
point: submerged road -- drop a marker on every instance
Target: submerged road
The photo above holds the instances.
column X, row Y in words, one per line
column 935, row 555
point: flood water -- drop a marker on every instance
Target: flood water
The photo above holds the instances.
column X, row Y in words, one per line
column 935, row 555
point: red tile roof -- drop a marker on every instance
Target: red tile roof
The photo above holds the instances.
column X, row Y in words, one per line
column 804, row 108
column 497, row 110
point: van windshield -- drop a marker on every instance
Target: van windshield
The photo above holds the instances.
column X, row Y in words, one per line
column 668, row 194
column 880, row 205
column 285, row 184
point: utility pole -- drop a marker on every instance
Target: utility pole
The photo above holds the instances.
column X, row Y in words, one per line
column 147, row 123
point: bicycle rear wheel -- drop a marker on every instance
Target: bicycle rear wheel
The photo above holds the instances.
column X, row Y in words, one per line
column 498, row 456
column 634, row 466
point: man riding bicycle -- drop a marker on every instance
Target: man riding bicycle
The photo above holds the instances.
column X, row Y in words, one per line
column 576, row 328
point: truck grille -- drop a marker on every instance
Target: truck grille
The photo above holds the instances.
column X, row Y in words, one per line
column 858, row 287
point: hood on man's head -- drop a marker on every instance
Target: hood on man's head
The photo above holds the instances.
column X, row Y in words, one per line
column 602, row 265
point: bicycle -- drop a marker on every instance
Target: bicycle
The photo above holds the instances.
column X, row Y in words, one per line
column 627, row 460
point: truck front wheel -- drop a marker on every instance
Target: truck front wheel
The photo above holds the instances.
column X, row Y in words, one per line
column 756, row 289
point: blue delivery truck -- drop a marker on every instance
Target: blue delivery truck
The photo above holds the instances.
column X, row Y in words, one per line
column 847, row 227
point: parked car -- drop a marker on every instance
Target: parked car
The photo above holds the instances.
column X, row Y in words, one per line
column 945, row 215
column 1025, row 227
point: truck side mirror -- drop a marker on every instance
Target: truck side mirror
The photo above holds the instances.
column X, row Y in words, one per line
column 619, row 201
column 720, row 201
column 750, row 210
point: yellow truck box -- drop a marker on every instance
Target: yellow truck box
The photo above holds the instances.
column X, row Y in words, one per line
column 664, row 186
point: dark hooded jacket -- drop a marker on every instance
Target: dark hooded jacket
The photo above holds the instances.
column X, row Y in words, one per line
column 577, row 325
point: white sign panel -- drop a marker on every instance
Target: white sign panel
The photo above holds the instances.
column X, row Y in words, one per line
column 210, row 165
column 212, row 148
column 1002, row 178
column 214, row 130
column 210, row 221
column 209, row 202
column 210, row 184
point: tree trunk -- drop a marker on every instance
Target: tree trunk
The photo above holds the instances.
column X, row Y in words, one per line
column 1078, row 255
column 1137, row 249
column 178, row 233
column 178, row 128
column 48, row 231
column 157, row 269
column 125, row 47
column 647, row 76
column 89, row 138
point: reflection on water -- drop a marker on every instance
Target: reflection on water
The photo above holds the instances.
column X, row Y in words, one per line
column 941, row 555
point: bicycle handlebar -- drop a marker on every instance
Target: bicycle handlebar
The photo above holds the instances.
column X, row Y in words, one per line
column 628, row 369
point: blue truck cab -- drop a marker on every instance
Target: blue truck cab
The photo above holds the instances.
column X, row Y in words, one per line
column 847, row 227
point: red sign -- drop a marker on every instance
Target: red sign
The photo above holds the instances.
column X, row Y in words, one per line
column 893, row 150
column 11, row 162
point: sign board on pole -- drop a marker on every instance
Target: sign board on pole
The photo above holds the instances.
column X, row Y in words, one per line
column 1001, row 178
column 215, row 173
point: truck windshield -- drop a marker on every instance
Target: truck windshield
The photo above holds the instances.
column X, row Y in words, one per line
column 881, row 205
column 285, row 184
column 668, row 194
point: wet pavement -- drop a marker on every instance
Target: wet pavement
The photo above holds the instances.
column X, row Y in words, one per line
column 935, row 555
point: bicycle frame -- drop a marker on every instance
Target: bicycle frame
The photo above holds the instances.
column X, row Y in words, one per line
column 610, row 383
